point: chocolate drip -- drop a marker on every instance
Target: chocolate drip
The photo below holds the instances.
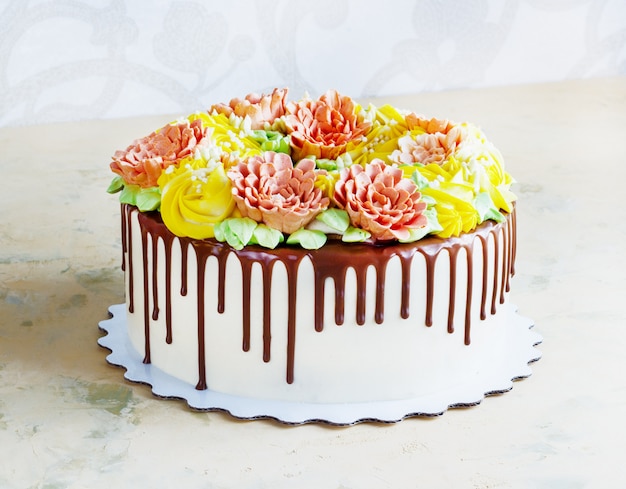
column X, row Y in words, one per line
column 203, row 250
column 452, row 298
column 331, row 262
column 168, row 289
column 292, row 281
column 184, row 251
column 167, row 240
column 131, row 276
column 155, row 281
column 483, row 298
column 430, row 285
column 267, row 310
column 124, row 243
column 405, row 299
column 202, row 258
column 379, row 311
column 506, row 263
column 513, row 231
column 146, row 297
column 468, row 296
column 246, row 269
column 511, row 253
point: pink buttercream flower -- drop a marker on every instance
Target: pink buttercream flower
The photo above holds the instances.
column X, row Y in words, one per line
column 438, row 141
column 323, row 128
column 145, row 159
column 379, row 200
column 259, row 108
column 271, row 190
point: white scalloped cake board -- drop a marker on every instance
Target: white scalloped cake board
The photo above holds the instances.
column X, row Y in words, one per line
column 496, row 377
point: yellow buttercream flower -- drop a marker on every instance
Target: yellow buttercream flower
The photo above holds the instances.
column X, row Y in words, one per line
column 195, row 197
column 326, row 180
column 232, row 135
column 483, row 167
column 382, row 139
column 452, row 194
column 475, row 167
column 454, row 213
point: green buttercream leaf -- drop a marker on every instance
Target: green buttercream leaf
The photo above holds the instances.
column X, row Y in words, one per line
column 116, row 185
column 218, row 230
column 325, row 164
column 355, row 235
column 148, row 199
column 266, row 236
column 432, row 226
column 232, row 238
column 420, row 180
column 237, row 231
column 433, row 222
column 272, row 141
column 486, row 208
column 336, row 219
column 308, row 239
column 129, row 193
column 415, row 234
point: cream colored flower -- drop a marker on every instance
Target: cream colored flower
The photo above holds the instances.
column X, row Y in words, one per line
column 379, row 200
column 323, row 128
column 261, row 109
column 428, row 141
column 271, row 190
column 145, row 159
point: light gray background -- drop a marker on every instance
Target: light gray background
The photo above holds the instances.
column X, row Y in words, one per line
column 64, row 60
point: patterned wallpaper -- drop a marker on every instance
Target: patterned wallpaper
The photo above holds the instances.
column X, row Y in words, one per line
column 66, row 60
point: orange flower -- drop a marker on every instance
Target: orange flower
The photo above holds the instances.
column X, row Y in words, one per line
column 260, row 108
column 429, row 141
column 323, row 128
column 271, row 190
column 145, row 159
column 379, row 200
column 431, row 126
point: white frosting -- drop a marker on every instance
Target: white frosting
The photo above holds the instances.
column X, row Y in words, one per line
column 398, row 359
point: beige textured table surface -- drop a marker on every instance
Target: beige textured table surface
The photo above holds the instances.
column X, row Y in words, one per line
column 70, row 420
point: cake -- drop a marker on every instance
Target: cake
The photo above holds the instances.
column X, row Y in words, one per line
column 316, row 252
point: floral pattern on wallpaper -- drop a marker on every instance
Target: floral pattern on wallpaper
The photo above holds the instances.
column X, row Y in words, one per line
column 68, row 60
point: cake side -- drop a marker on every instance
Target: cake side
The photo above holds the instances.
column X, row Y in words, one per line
column 339, row 324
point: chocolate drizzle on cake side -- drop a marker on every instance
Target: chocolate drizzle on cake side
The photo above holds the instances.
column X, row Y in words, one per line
column 330, row 262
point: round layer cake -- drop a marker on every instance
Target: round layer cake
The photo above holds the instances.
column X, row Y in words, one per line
column 339, row 324
column 316, row 251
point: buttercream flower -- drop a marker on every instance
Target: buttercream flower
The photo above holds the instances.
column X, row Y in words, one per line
column 195, row 197
column 323, row 128
column 429, row 141
column 271, row 190
column 232, row 137
column 382, row 139
column 482, row 166
column 379, row 200
column 326, row 181
column 456, row 212
column 145, row 159
column 261, row 109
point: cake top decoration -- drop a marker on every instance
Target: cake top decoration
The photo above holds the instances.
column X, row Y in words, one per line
column 265, row 171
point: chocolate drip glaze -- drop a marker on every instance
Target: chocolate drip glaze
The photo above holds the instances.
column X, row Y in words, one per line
column 124, row 243
column 146, row 298
column 331, row 262
column 127, row 212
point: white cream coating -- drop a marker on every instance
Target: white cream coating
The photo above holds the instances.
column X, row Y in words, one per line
column 398, row 359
